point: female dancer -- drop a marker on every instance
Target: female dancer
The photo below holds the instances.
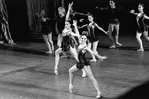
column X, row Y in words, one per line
column 68, row 43
column 113, row 13
column 82, row 63
column 46, row 31
column 142, row 27
column 60, row 24
column 93, row 36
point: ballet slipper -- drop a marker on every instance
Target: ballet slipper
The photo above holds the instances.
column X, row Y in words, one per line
column 56, row 71
column 113, row 46
column 99, row 97
column 70, row 88
column 49, row 52
column 119, row 44
column 141, row 50
column 84, row 75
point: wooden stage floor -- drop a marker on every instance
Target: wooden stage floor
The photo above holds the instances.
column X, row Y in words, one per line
column 26, row 72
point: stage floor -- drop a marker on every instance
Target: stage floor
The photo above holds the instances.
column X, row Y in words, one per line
column 26, row 72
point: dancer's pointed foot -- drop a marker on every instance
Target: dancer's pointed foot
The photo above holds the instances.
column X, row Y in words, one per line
column 98, row 97
column 113, row 46
column 56, row 71
column 119, row 44
column 141, row 50
column 49, row 52
column 84, row 75
column 70, row 88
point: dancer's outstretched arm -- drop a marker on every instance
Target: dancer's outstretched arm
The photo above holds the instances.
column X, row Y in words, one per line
column 100, row 28
column 96, row 54
column 146, row 17
column 133, row 12
column 68, row 12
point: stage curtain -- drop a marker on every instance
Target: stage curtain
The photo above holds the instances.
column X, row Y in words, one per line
column 35, row 6
column 5, row 35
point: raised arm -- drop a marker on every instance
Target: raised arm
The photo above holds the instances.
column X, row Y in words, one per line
column 68, row 12
column 76, row 28
column 100, row 28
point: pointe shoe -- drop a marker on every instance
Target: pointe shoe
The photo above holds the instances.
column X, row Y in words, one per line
column 113, row 46
column 141, row 50
column 70, row 88
column 98, row 97
column 49, row 52
column 56, row 71
column 119, row 44
column 84, row 75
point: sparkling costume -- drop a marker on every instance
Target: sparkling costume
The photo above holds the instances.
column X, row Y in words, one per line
column 141, row 25
column 82, row 60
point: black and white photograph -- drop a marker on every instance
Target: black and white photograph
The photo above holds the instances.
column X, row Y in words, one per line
column 74, row 49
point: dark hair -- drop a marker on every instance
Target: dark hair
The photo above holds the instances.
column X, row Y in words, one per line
column 141, row 4
column 112, row 0
column 89, row 14
column 85, row 33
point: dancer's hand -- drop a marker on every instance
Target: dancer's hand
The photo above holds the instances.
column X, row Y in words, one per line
column 132, row 11
column 70, row 5
column 106, row 32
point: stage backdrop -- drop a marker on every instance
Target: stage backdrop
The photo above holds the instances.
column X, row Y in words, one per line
column 35, row 6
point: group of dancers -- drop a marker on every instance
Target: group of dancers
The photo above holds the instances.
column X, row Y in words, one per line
column 77, row 42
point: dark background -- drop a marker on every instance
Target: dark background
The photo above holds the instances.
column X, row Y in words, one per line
column 18, row 20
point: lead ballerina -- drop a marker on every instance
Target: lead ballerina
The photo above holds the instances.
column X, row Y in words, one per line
column 83, row 63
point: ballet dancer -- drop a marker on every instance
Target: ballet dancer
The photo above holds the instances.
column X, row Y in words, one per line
column 114, row 23
column 142, row 27
column 46, row 31
column 82, row 63
column 92, row 35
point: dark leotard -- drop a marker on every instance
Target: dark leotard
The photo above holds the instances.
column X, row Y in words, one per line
column 141, row 25
column 113, row 14
column 93, row 37
column 45, row 29
column 60, row 24
column 82, row 60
